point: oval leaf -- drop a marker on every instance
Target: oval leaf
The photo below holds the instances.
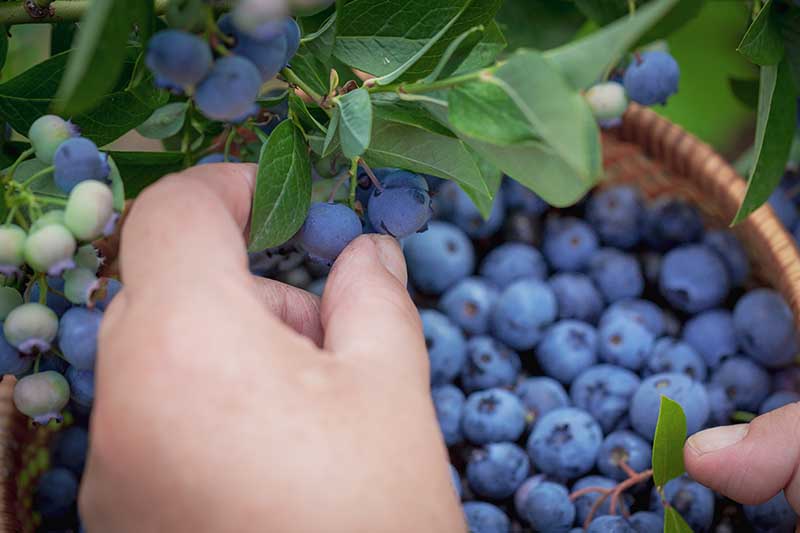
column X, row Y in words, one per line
column 355, row 122
column 668, row 442
column 763, row 43
column 165, row 121
column 674, row 522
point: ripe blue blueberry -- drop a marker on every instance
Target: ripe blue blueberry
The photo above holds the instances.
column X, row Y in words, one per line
column 56, row 493
column 547, row 507
column 46, row 135
column 364, row 185
column 469, row 304
column 645, row 522
column 783, row 207
column 523, row 312
column 454, row 476
column 608, row 103
column 584, row 503
column 77, row 336
column 81, row 386
column 448, row 401
column 616, row 214
column 50, row 249
column 522, row 199
column 42, row 396
column 484, row 517
column 567, row 348
column 79, row 285
column 89, row 208
column 511, row 262
column 266, row 47
column 11, row 361
column 105, row 293
column 541, row 395
column 493, row 415
column 328, row 229
column 712, row 334
column 76, row 160
column 577, row 297
column 401, row 207
column 644, row 312
column 625, row 342
column 720, row 405
column 522, row 492
column 216, row 158
column 692, row 500
column 730, row 250
column 693, row 279
column 690, row 394
column 466, row 216
column 652, row 77
column 12, row 247
column 670, row 222
column 787, row 379
column 564, row 443
column 616, row 274
column 489, row 364
column 610, row 524
column 58, row 303
column 671, row 355
column 497, row 470
column 765, row 328
column 447, row 347
column 569, row 243
column 605, row 391
column 229, row 92
column 71, row 447
column 626, row 447
column 773, row 516
column 439, row 258
column 178, row 57
column 746, row 383
column 31, row 328
column 777, row 400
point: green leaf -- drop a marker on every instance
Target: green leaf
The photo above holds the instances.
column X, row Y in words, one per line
column 378, row 36
column 668, row 442
column 140, row 169
column 678, row 16
column 44, row 184
column 117, row 185
column 3, row 46
column 311, row 70
column 493, row 177
column 775, row 124
column 603, row 11
column 674, row 522
column 790, row 29
column 333, row 126
column 165, row 121
column 587, row 60
column 61, row 37
column 320, row 42
column 458, row 51
column 555, row 23
column 745, row 90
column 486, row 51
column 409, row 113
column 355, row 122
column 484, row 111
column 762, row 43
column 298, row 108
column 283, row 188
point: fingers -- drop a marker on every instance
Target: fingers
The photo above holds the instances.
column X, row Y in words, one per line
column 295, row 307
column 750, row 463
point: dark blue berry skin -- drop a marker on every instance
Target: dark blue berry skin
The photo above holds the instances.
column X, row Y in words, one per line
column 610, row 524
column 77, row 160
column 520, row 198
column 484, row 517
column 605, row 391
column 645, row 522
column 652, row 77
column 783, row 207
column 568, row 347
column 447, row 347
column 721, row 406
column 773, row 516
column 564, row 443
column 777, row 400
column 11, row 361
column 497, row 470
column 489, row 364
column 466, row 216
column 616, row 274
column 730, row 250
column 178, row 57
column 787, row 379
column 400, row 209
column 583, row 504
column 670, row 222
column 680, row 388
column 217, row 158
column 112, row 288
column 438, row 258
column 448, row 401
column 56, row 493
column 541, row 395
column 511, row 262
column 693, row 279
column 456, row 481
column 670, row 355
column 469, row 304
column 569, row 243
column 624, row 342
column 522, row 492
column 712, row 335
column 292, row 32
column 81, row 386
column 523, row 312
column 56, row 302
column 229, row 92
column 644, row 312
column 53, row 362
column 364, row 185
column 71, row 447
column 547, row 507
column 765, row 328
column 77, row 336
column 692, row 500
column 746, row 383
column 328, row 229
column 616, row 214
column 577, row 297
column 493, row 415
column 623, row 446
column 267, row 53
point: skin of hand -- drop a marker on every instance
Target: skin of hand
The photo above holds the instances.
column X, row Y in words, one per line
column 226, row 402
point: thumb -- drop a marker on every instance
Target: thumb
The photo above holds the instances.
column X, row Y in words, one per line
column 750, row 463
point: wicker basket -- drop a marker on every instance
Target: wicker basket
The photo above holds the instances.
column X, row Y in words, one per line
column 647, row 150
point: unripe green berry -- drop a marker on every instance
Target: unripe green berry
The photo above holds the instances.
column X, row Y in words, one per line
column 89, row 208
column 88, row 258
column 607, row 100
column 55, row 216
column 42, row 396
column 46, row 135
column 79, row 285
column 10, row 299
column 31, row 327
column 50, row 249
column 12, row 246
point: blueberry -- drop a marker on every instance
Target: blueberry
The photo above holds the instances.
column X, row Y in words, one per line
column 292, row 32
column 317, row 287
column 522, row 313
column 564, row 443
column 692, row 500
column 489, row 364
column 497, row 470
column 328, row 229
column 670, row 355
column 400, row 209
column 623, row 446
column 624, row 342
column 521, row 495
column 77, row 336
column 31, row 328
column 568, row 347
column 616, row 213
column 469, row 304
column 364, row 185
column 645, row 522
column 87, row 257
column 520, row 198
column 616, row 274
column 690, row 394
column 765, row 328
column 584, row 503
column 484, row 517
column 608, row 102
column 12, row 247
column 712, row 334
column 447, row 348
column 229, row 92
column 493, row 415
column 89, row 208
column 180, row 58
column 216, row 158
column 456, row 481
column 439, row 258
column 773, row 516
column 11, row 361
column 81, row 386
column 56, row 493
column 783, row 207
column 76, row 160
column 787, row 379
column 730, row 250
column 268, row 53
column 42, row 396
column 777, row 400
column 746, row 383
column 46, row 135
column 652, row 77
column 577, row 297
column 547, row 507
column 50, row 249
column 105, row 293
column 58, row 303
column 693, row 279
column 569, row 243
column 605, row 391
column 467, row 217
column 71, row 447
column 670, row 222
column 721, row 407
column 610, row 524
column 448, row 401
column 511, row 262
column 644, row 312
column 541, row 395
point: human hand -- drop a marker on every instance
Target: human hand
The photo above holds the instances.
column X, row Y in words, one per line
column 226, row 402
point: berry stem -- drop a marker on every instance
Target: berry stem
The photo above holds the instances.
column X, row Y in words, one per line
column 11, row 213
column 45, row 171
column 742, row 416
column 339, row 182
column 22, row 157
column 631, row 7
column 36, row 363
column 228, row 143
column 293, row 79
column 634, row 478
column 353, row 173
column 421, row 87
column 42, row 289
column 51, row 200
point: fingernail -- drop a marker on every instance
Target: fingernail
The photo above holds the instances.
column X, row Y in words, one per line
column 715, row 439
column 391, row 256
